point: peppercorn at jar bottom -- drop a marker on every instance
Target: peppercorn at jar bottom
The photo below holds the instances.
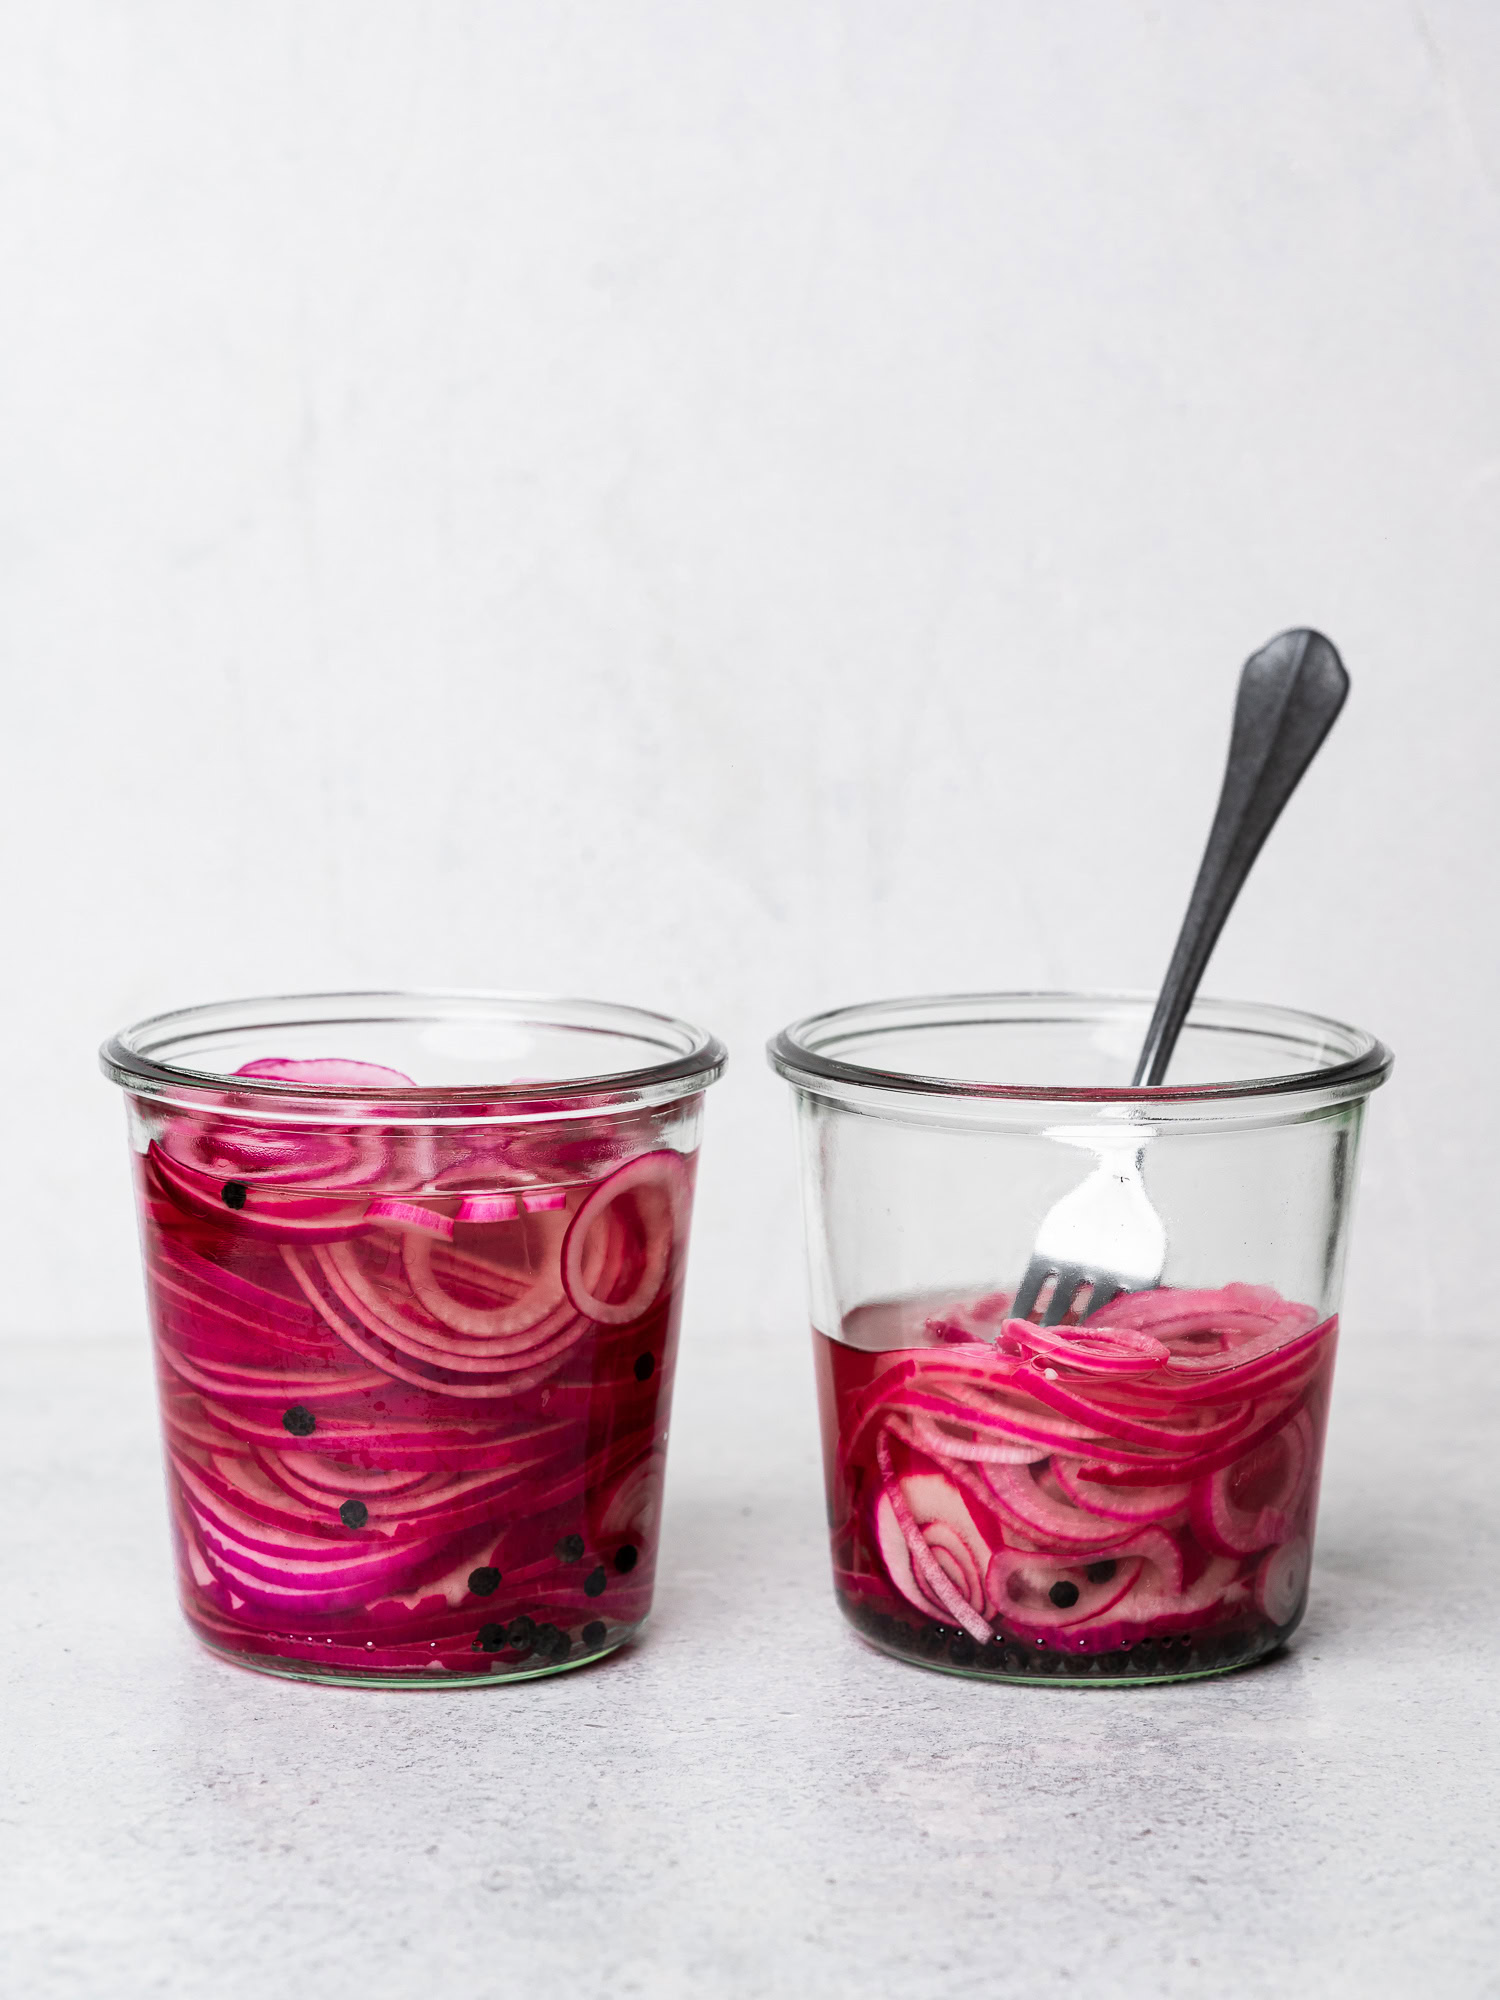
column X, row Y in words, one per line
column 1130, row 1498
column 415, row 1433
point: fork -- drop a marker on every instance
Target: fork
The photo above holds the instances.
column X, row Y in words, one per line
column 1105, row 1237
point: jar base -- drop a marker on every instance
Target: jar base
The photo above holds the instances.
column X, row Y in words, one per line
column 1187, row 1656
column 280, row 1667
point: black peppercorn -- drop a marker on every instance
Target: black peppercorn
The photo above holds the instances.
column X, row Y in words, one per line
column 299, row 1420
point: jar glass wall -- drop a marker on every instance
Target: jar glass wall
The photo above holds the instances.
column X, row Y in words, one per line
column 414, row 1265
column 1130, row 1498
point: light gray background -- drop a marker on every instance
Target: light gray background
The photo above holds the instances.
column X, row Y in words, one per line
column 740, row 509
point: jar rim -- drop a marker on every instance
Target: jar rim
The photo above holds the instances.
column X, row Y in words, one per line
column 136, row 1057
column 799, row 1051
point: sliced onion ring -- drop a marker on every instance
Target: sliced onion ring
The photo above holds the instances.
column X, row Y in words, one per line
column 662, row 1174
column 1097, row 1350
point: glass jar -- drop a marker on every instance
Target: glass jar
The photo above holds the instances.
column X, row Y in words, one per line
column 1127, row 1498
column 414, row 1265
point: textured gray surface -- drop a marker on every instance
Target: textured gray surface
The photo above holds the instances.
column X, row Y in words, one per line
column 752, row 1802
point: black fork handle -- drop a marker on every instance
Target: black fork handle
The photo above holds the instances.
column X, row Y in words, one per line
column 1290, row 694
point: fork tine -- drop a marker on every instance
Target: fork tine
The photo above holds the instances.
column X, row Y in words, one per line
column 1024, row 1303
column 1070, row 1281
column 1106, row 1291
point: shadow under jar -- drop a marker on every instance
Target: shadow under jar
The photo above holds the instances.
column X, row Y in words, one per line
column 414, row 1265
column 1130, row 1498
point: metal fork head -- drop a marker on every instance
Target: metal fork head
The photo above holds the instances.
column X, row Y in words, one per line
column 1102, row 1238
column 1069, row 1284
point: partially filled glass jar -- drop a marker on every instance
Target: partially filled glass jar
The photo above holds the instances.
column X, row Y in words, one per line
column 1127, row 1496
column 414, row 1265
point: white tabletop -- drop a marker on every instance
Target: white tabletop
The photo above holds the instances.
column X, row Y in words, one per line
column 752, row 1801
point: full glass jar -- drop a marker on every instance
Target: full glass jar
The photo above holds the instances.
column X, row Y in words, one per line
column 1130, row 1497
column 414, row 1265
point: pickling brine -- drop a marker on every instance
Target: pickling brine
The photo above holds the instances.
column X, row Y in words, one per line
column 415, row 1399
column 1127, row 1497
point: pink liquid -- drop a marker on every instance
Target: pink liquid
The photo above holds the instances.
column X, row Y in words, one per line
column 396, row 1448
column 1134, row 1497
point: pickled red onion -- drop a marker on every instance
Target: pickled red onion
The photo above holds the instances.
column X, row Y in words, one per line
column 1149, row 1495
column 374, row 1389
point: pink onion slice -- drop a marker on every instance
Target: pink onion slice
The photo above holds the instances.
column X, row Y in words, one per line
column 272, row 1385
column 633, row 1505
column 410, row 1216
column 333, row 1161
column 385, row 1313
column 659, row 1183
column 1021, row 1584
column 260, row 1490
column 504, row 1205
column 949, row 1438
column 540, row 1359
column 1281, row 1580
column 327, row 1072
column 1160, row 1600
column 245, row 1537
column 1192, row 1429
column 464, row 1440
column 1122, row 1581
column 934, row 1550
column 1249, row 1504
column 271, row 1215
column 1237, row 1312
column 1055, row 1520
column 518, row 1316
column 1147, row 1470
column 1141, row 1504
column 1091, row 1348
column 316, row 1478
